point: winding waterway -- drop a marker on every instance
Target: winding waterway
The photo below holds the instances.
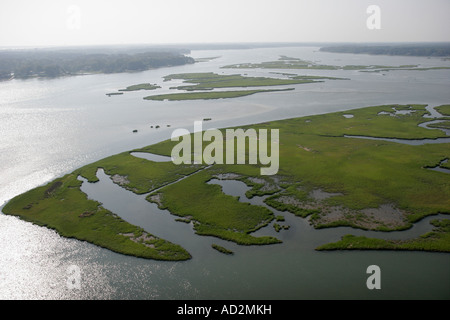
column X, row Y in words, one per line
column 416, row 142
column 52, row 127
column 298, row 244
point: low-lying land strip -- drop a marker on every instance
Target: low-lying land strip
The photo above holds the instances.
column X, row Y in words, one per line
column 208, row 95
column 433, row 50
column 296, row 63
column 210, row 80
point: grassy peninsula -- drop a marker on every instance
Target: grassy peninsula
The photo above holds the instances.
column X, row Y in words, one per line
column 369, row 184
column 444, row 109
column 62, row 206
column 210, row 80
column 213, row 212
column 444, row 125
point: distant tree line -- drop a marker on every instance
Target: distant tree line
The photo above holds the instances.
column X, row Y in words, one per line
column 43, row 63
column 438, row 50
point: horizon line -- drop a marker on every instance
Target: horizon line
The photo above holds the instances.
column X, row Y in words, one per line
column 225, row 43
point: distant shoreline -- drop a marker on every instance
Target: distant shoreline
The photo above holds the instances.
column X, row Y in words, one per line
column 417, row 50
column 48, row 64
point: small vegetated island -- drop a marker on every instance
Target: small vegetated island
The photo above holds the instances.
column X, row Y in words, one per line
column 205, row 83
column 371, row 184
column 142, row 86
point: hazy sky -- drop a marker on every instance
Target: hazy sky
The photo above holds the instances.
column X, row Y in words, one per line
column 79, row 22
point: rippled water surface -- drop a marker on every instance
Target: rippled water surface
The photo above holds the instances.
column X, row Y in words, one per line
column 51, row 127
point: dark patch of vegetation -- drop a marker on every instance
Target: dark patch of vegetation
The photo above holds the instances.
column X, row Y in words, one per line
column 52, row 188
